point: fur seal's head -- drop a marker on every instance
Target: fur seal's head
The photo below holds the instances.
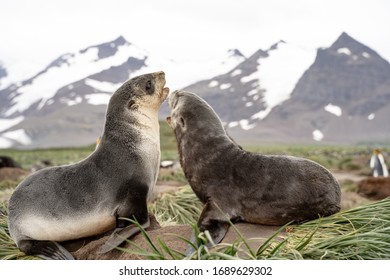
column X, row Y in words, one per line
column 145, row 91
column 190, row 114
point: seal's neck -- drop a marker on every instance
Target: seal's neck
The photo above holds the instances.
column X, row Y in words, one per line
column 147, row 119
column 203, row 148
column 130, row 130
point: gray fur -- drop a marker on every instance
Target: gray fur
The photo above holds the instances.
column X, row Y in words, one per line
column 60, row 203
column 237, row 185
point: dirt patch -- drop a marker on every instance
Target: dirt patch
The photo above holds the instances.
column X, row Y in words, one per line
column 351, row 200
column 170, row 235
column 12, row 174
column 375, row 187
column 348, row 176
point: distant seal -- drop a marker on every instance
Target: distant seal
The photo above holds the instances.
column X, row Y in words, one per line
column 90, row 197
column 237, row 185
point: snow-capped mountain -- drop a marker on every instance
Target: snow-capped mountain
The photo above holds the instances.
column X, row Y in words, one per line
column 65, row 103
column 287, row 93
column 343, row 97
column 248, row 92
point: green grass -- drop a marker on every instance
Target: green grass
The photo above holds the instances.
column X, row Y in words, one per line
column 344, row 158
column 57, row 156
column 180, row 207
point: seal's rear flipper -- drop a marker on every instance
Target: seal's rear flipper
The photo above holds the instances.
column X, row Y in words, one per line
column 121, row 234
column 48, row 250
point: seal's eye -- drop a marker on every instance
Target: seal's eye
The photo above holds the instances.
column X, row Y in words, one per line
column 148, row 85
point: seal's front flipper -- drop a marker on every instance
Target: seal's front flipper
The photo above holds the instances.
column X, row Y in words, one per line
column 121, row 234
column 215, row 221
column 48, row 250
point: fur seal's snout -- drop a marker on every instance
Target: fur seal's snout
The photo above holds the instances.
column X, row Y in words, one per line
column 165, row 90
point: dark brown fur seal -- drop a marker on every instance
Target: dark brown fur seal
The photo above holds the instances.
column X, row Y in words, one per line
column 237, row 185
column 90, row 197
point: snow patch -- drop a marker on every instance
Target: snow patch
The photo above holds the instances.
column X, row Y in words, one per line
column 244, row 124
column 76, row 101
column 344, row 51
column 248, row 104
column 318, row 135
column 18, row 135
column 371, row 116
column 236, row 73
column 45, row 86
column 225, row 86
column 281, row 70
column 252, row 92
column 333, row 109
column 249, row 78
column 262, row 114
column 8, row 123
column 232, row 124
column 5, row 143
column 98, row 98
column 366, row 55
column 278, row 73
column 102, row 86
column 213, row 83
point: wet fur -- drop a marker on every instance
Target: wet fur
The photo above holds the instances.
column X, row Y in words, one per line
column 89, row 197
column 238, row 185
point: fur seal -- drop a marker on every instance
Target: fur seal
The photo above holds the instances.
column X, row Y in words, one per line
column 237, row 185
column 90, row 197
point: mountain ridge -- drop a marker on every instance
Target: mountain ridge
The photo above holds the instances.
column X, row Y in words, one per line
column 286, row 93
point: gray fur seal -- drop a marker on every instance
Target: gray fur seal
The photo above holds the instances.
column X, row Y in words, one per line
column 90, row 197
column 237, row 185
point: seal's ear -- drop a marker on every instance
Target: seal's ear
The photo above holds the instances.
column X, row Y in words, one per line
column 182, row 122
column 132, row 105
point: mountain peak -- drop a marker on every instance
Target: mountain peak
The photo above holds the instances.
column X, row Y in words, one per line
column 235, row 52
column 120, row 41
column 109, row 48
column 276, row 45
column 348, row 45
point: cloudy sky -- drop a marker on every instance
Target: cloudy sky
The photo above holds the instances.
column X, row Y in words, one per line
column 36, row 32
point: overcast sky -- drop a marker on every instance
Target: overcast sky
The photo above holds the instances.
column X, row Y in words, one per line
column 38, row 31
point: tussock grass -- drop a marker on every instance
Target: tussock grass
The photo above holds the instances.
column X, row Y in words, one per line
column 359, row 233
column 8, row 249
column 181, row 207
